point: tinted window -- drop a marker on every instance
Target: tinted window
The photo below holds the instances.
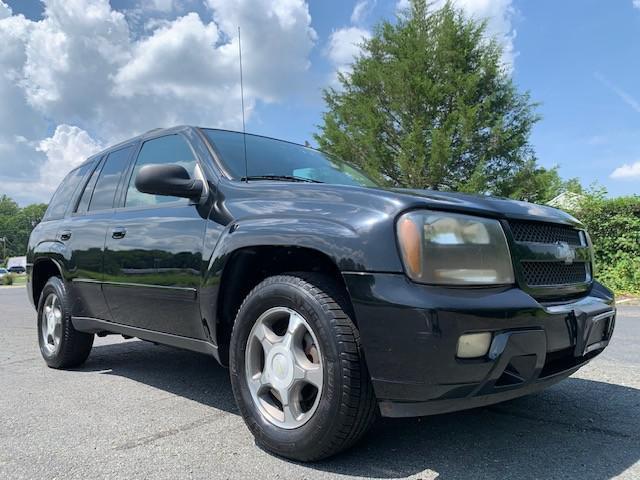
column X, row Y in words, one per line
column 268, row 157
column 64, row 194
column 108, row 179
column 83, row 204
column 170, row 149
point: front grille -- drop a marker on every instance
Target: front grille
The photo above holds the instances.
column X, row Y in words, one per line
column 542, row 268
column 539, row 274
column 543, row 233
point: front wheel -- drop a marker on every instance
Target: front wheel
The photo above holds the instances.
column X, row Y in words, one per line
column 297, row 368
column 61, row 345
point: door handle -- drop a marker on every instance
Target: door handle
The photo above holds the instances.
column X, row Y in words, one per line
column 65, row 235
column 118, row 233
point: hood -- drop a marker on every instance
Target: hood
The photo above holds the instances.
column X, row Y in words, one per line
column 486, row 205
column 349, row 203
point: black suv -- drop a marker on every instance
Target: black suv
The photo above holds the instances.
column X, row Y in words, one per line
column 330, row 298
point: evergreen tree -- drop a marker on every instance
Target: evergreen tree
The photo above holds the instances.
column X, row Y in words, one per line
column 429, row 104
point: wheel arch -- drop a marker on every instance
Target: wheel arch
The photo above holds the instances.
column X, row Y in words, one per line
column 247, row 266
column 43, row 269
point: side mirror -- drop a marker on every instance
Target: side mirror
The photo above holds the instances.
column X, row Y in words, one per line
column 168, row 179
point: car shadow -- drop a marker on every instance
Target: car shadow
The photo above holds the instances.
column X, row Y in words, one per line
column 577, row 428
column 190, row 375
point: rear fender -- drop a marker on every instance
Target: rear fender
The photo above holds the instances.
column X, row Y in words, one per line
column 49, row 251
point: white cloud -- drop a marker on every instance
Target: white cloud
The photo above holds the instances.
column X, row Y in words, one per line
column 361, row 9
column 66, row 148
column 277, row 39
column 499, row 15
column 627, row 171
column 344, row 46
column 18, row 119
column 162, row 5
column 5, row 10
column 636, row 3
column 83, row 64
column 62, row 151
column 152, row 67
column 71, row 56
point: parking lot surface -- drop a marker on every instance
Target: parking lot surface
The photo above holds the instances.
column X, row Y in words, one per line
column 138, row 410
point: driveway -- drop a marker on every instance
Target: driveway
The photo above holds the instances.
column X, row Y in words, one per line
column 137, row 410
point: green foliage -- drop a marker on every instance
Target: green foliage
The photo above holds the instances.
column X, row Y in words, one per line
column 7, row 279
column 429, row 104
column 16, row 224
column 533, row 183
column 614, row 227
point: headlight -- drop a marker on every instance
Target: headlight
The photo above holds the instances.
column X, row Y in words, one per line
column 452, row 249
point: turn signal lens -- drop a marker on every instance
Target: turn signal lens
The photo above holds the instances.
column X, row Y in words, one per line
column 410, row 239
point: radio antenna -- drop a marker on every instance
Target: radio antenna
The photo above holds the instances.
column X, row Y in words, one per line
column 244, row 128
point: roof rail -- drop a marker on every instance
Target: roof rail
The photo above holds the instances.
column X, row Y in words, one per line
column 153, row 130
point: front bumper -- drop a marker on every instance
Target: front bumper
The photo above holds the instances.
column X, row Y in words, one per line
column 410, row 332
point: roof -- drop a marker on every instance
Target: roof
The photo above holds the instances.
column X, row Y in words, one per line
column 154, row 132
column 149, row 133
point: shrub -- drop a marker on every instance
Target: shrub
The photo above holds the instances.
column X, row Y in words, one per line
column 614, row 227
column 7, row 279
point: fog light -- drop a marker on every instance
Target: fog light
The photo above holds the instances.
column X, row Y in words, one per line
column 473, row 345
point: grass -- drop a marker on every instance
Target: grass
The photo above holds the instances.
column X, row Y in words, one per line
column 16, row 280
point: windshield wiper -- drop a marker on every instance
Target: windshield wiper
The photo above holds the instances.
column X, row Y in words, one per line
column 285, row 178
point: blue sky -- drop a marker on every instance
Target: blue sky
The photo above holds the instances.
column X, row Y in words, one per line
column 578, row 58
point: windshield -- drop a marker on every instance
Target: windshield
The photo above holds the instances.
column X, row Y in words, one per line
column 272, row 159
column 3, row 270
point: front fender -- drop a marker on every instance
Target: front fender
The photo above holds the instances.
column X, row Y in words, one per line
column 337, row 241
column 342, row 244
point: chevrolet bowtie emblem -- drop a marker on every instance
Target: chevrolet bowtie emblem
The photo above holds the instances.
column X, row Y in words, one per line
column 565, row 253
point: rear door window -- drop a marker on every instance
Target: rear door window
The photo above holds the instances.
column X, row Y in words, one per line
column 108, row 179
column 63, row 196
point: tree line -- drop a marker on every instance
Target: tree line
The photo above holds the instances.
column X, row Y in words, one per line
column 16, row 224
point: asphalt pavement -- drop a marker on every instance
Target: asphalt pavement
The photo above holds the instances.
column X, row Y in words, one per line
column 138, row 410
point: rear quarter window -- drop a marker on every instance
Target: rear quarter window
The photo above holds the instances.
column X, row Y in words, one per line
column 85, row 197
column 64, row 194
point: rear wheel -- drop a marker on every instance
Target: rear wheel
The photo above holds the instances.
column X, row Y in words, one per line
column 297, row 368
column 61, row 345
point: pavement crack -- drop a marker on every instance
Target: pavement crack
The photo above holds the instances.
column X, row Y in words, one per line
column 138, row 442
column 16, row 362
column 573, row 426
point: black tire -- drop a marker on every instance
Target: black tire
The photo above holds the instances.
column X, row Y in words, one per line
column 347, row 406
column 74, row 346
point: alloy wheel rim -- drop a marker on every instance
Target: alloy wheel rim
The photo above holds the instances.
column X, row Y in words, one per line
column 51, row 324
column 283, row 368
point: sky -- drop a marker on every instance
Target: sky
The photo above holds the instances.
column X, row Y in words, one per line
column 79, row 75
